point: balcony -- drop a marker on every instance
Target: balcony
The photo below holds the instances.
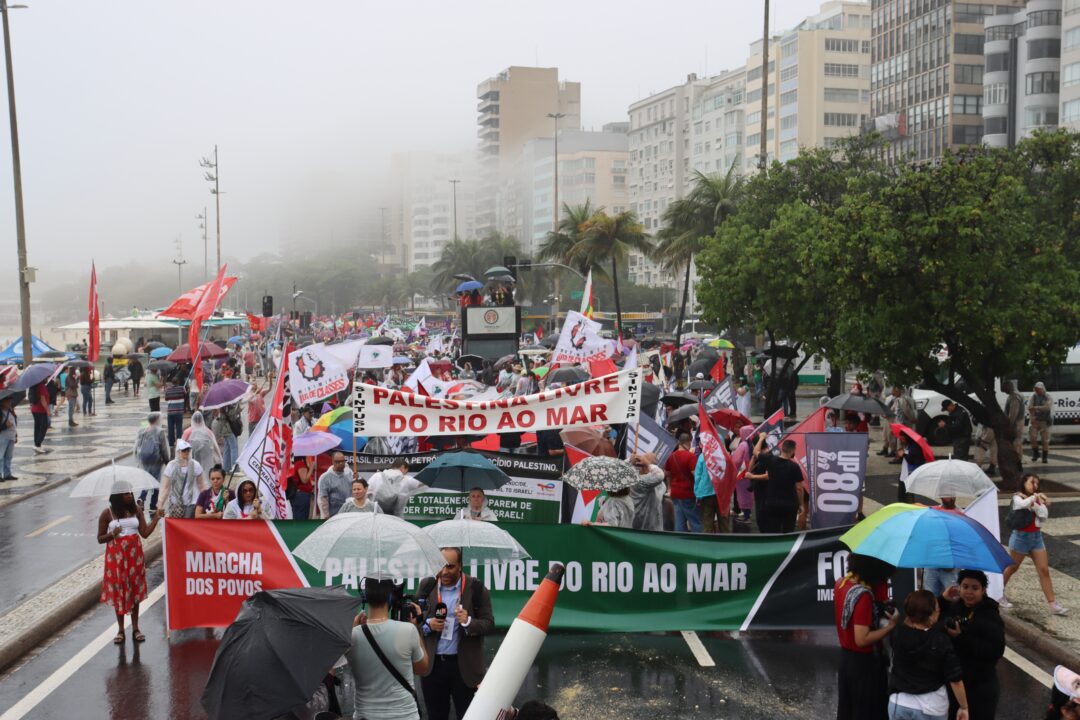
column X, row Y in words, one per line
column 488, row 107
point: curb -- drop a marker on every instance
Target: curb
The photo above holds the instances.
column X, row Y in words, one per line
column 80, row 599
column 53, row 484
column 1036, row 638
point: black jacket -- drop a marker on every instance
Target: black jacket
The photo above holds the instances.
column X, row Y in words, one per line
column 923, row 660
column 959, row 425
column 981, row 641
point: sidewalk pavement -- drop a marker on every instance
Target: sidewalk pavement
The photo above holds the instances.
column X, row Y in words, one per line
column 95, row 441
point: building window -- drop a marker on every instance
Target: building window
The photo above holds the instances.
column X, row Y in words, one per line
column 753, row 118
column 789, row 149
column 789, row 73
column 1071, row 74
column 967, row 44
column 1039, row 116
column 841, row 45
column 791, row 96
column 841, row 119
column 786, row 123
column 1070, row 111
column 967, row 134
column 1043, row 17
column 841, row 70
column 1072, row 38
column 789, row 50
column 996, row 125
column 996, row 94
column 972, row 12
column 1041, row 82
column 841, row 95
column 967, row 104
column 1045, row 48
column 754, row 96
column 1000, row 32
column 997, row 62
column 754, row 73
column 968, row 74
column 1071, row 7
column 865, row 46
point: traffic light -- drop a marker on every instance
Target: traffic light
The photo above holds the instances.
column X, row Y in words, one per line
column 268, row 306
column 509, row 261
column 525, row 265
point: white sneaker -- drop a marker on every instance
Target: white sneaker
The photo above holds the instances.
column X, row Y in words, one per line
column 39, row 450
column 1004, row 602
column 1057, row 609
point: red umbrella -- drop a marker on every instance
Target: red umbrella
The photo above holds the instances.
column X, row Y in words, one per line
column 897, row 430
column 729, row 419
column 207, row 351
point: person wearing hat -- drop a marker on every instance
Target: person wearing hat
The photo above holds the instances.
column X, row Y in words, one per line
column 181, row 482
column 307, row 419
column 1041, row 410
column 958, row 427
column 1064, row 695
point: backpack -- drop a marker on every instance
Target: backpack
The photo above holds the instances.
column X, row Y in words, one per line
column 235, row 423
column 149, row 453
column 1019, row 518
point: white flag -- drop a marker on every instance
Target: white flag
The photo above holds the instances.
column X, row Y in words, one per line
column 315, row 373
column 260, row 459
column 420, row 374
column 984, row 510
column 580, row 341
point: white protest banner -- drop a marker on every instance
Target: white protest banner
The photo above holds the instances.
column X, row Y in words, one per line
column 580, row 341
column 314, row 374
column 614, row 398
column 355, row 354
column 260, row 459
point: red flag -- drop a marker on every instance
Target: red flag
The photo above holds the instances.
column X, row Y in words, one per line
column 256, row 323
column 717, row 373
column 93, row 345
column 717, row 461
column 814, row 422
column 203, row 310
column 539, row 333
column 280, row 411
column 574, row 455
column 183, row 307
column 602, row 367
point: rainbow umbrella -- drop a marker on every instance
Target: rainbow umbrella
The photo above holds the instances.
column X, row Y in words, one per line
column 722, row 344
column 916, row 536
column 339, row 423
column 328, row 419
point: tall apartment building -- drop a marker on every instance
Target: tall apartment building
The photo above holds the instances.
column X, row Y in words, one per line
column 926, row 79
column 513, row 109
column 1069, row 93
column 1022, row 72
column 818, row 83
column 420, row 218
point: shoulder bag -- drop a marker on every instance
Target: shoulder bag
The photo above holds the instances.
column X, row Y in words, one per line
column 390, row 666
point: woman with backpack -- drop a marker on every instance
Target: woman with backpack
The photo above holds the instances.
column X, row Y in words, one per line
column 1029, row 509
column 152, row 453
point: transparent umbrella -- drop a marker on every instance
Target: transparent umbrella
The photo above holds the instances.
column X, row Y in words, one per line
column 948, row 478
column 382, row 546
column 481, row 540
column 112, row 480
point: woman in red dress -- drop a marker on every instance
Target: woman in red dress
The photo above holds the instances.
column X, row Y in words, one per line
column 119, row 528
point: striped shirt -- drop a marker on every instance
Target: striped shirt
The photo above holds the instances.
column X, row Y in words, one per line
column 174, row 399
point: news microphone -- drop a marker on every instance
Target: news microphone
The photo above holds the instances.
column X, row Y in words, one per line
column 440, row 611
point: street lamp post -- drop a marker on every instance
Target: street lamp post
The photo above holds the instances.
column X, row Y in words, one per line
column 205, row 255
column 213, row 175
column 455, row 183
column 16, row 171
column 180, row 274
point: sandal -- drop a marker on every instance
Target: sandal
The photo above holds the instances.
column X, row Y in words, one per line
column 119, row 639
column 138, row 637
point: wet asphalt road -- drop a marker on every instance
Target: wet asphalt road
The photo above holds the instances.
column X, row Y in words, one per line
column 605, row 677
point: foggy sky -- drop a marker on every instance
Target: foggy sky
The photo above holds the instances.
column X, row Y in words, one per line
column 119, row 99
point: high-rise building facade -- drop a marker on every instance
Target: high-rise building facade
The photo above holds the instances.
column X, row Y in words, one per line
column 926, row 79
column 420, row 219
column 1022, row 73
column 513, row 109
column 1069, row 93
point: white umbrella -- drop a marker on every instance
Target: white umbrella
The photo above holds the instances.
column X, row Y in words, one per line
column 482, row 540
column 112, row 480
column 948, row 478
column 383, row 546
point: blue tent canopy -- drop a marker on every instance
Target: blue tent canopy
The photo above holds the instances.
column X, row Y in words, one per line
column 14, row 351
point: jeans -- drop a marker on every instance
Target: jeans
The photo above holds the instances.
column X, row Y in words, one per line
column 41, row 426
column 937, row 580
column 108, row 391
column 229, row 453
column 899, row 712
column 71, row 410
column 7, row 449
column 687, row 517
column 87, row 399
column 176, row 428
column 301, row 505
column 155, row 471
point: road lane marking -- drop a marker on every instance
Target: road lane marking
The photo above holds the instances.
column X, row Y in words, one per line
column 64, row 672
column 49, row 526
column 1043, row 678
column 704, row 659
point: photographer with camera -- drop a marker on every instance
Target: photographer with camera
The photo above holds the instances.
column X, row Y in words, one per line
column 458, row 616
column 974, row 623
column 864, row 618
column 384, row 657
column 924, row 662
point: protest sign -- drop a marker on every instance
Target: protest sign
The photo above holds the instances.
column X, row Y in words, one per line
column 616, row 580
column 722, row 396
column 646, row 436
column 314, row 374
column 580, row 341
column 614, row 399
column 837, row 466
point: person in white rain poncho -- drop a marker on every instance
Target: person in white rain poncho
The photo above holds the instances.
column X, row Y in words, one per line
column 204, row 446
column 476, row 508
column 392, row 488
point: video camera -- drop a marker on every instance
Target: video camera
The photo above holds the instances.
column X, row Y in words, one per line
column 401, row 604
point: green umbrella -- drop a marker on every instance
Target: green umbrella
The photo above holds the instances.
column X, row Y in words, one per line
column 461, row 472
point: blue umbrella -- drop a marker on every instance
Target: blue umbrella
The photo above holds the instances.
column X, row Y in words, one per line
column 160, row 353
column 34, row 375
column 462, row 471
column 343, row 429
column 469, row 286
column 237, row 340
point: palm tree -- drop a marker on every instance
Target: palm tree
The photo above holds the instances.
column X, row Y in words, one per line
column 559, row 244
column 688, row 221
column 459, row 257
column 611, row 238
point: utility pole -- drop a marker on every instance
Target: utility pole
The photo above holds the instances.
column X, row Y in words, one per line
column 556, row 116
column 455, row 183
column 213, row 175
column 180, row 274
column 205, row 256
column 763, row 153
column 25, row 272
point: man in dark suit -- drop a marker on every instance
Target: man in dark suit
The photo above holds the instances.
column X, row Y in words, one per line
column 457, row 642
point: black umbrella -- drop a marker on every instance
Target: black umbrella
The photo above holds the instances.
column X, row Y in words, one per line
column 686, row 411
column 709, row 352
column 162, row 366
column 153, row 345
column 16, row 396
column 550, row 341
column 701, row 385
column 464, row 277
column 52, row 355
column 79, row 364
column 277, row 651
column 859, row 404
column 504, row 361
column 702, row 366
column 650, row 395
column 475, row 360
column 677, row 399
column 784, row 352
column 381, row 340
column 567, row 376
